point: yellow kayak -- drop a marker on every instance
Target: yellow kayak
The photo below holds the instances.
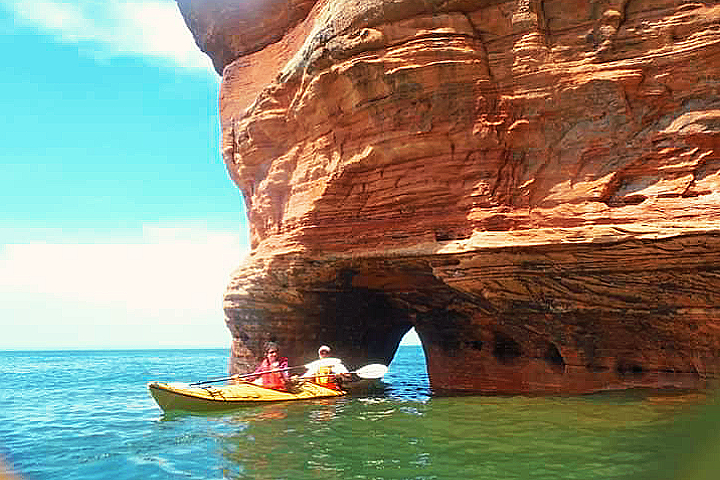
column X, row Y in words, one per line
column 184, row 397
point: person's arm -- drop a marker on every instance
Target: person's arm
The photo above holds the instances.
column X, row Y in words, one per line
column 284, row 367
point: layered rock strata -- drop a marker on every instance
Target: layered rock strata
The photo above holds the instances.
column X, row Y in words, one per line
column 533, row 185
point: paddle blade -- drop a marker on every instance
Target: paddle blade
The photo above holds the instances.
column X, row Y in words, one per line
column 375, row 370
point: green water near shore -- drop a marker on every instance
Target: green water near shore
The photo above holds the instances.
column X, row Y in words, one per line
column 602, row 437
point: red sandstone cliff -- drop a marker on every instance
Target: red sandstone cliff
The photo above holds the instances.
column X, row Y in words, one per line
column 533, row 185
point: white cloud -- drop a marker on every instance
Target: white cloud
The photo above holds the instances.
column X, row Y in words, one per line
column 151, row 28
column 165, row 290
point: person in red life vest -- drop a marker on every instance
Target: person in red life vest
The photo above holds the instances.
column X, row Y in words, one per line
column 327, row 371
column 273, row 370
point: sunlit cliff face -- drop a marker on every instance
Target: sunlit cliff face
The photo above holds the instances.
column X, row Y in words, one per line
column 533, row 185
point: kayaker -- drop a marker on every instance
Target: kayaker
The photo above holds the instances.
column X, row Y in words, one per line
column 275, row 368
column 326, row 371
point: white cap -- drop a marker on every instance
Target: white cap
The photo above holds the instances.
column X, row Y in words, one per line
column 323, row 348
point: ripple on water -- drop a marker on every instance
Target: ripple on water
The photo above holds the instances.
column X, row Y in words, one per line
column 95, row 416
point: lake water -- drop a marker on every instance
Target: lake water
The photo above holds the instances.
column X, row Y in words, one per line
column 88, row 415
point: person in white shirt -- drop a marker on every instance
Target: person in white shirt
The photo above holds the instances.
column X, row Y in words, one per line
column 327, row 371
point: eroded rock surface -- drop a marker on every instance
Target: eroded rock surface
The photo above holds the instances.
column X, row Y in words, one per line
column 534, row 186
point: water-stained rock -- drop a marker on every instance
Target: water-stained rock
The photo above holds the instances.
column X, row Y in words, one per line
column 534, row 186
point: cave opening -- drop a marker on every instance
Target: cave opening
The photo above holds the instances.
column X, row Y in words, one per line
column 506, row 350
column 375, row 307
column 554, row 358
column 363, row 323
column 407, row 372
column 373, row 330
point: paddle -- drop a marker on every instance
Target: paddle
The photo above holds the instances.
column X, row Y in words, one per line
column 323, row 362
column 374, row 370
column 231, row 377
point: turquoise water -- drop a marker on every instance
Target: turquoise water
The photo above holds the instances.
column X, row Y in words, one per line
column 87, row 415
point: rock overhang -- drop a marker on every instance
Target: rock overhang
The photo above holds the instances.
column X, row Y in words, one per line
column 530, row 187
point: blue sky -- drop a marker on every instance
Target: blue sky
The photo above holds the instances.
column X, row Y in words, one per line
column 120, row 226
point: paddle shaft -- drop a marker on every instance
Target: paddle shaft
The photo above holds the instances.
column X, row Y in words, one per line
column 244, row 375
column 368, row 371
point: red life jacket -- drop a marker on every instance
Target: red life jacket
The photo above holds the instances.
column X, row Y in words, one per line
column 274, row 380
